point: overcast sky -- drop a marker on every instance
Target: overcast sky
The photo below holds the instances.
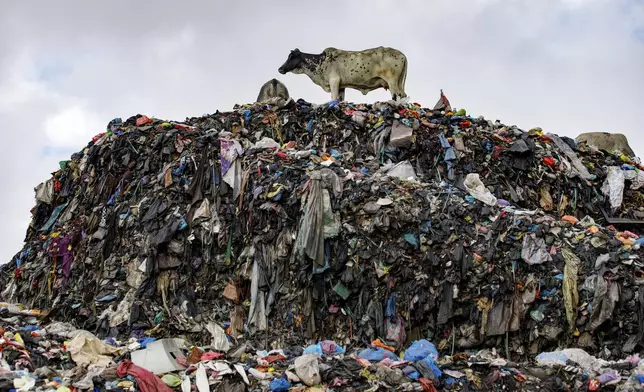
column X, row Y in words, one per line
column 68, row 67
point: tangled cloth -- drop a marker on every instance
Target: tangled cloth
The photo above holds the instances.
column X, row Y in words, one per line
column 146, row 380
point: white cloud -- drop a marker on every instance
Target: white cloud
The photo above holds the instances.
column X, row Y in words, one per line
column 72, row 126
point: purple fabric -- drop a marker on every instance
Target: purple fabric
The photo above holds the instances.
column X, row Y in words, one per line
column 608, row 377
column 329, row 347
column 67, row 255
column 230, row 150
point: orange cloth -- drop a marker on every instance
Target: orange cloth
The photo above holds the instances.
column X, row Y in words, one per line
column 379, row 343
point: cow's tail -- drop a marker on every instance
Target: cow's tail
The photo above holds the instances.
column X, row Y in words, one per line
column 403, row 78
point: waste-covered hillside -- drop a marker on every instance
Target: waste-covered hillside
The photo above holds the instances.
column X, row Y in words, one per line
column 342, row 221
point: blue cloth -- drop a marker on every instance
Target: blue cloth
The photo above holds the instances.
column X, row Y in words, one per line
column 279, row 385
column 54, row 217
column 107, row 298
column 419, row 350
column 411, row 239
column 376, row 354
column 145, row 341
column 390, row 310
column 431, row 363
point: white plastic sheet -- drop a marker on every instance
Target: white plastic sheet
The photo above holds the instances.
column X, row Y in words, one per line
column 614, row 186
column 308, row 369
column 219, row 341
column 403, row 170
column 201, row 379
column 477, row 189
column 45, row 191
column 185, row 384
column 266, row 142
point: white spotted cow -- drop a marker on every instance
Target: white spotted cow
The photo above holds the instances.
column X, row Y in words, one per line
column 335, row 70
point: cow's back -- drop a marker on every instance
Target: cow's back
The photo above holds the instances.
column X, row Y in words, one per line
column 606, row 141
column 365, row 69
column 272, row 89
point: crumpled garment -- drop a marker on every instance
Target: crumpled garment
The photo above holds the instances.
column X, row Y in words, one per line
column 477, row 189
column 449, row 155
column 636, row 177
column 570, row 291
column 546, row 199
column 613, row 187
column 578, row 169
column 606, row 296
column 145, row 380
column 534, row 250
column 443, row 104
column 311, row 235
column 86, row 349
column 585, row 361
column 87, row 382
column 54, row 217
column 45, row 191
column 257, row 311
column 390, row 376
column 219, row 341
column 231, row 168
column 171, row 380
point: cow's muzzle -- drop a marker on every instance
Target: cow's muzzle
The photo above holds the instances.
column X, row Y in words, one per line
column 281, row 70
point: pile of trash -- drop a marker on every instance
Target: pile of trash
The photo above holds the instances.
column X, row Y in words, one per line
column 59, row 357
column 266, row 229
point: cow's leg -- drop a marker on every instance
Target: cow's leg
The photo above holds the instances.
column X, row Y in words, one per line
column 341, row 94
column 334, row 84
column 393, row 89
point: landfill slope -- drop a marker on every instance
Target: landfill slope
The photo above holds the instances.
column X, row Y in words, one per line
column 342, row 221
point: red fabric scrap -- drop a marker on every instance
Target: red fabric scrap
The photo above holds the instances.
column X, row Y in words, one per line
column 145, row 380
column 427, row 385
column 97, row 137
column 142, row 121
column 275, row 358
column 549, row 161
column 209, row 356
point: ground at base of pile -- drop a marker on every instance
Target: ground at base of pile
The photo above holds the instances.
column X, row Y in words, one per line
column 59, row 358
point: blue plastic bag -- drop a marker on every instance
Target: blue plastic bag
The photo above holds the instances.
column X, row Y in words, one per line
column 314, row 349
column 279, row 385
column 319, row 348
column 411, row 372
column 145, row 341
column 430, row 362
column 376, row 354
column 419, row 350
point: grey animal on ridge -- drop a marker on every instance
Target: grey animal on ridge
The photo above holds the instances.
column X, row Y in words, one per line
column 273, row 89
column 607, row 141
column 335, row 70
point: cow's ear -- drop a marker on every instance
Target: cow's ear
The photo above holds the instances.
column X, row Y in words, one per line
column 296, row 50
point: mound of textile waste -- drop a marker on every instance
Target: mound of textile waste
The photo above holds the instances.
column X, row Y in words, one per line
column 275, row 228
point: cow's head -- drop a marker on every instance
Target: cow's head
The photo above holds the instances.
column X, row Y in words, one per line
column 294, row 62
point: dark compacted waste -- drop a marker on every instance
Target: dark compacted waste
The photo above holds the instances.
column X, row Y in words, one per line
column 334, row 247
